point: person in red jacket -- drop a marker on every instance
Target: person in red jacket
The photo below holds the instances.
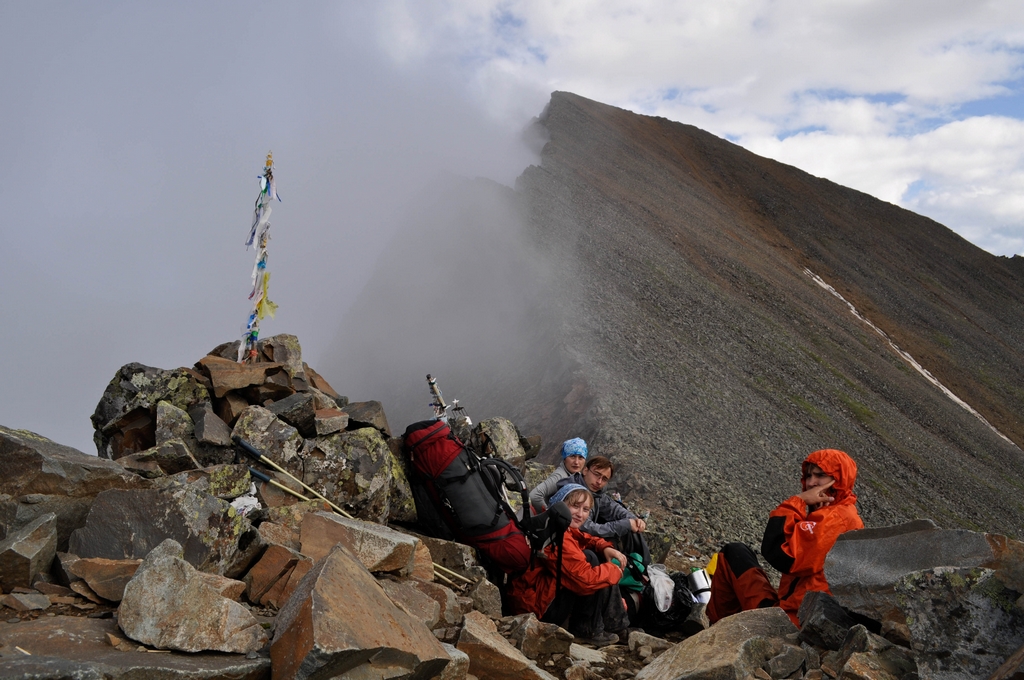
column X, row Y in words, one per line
column 585, row 597
column 800, row 532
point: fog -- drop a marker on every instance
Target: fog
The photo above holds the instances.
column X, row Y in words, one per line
column 134, row 136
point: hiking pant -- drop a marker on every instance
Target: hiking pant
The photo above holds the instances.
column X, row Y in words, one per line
column 739, row 583
column 588, row 615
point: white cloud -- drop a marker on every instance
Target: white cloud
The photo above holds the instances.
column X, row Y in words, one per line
column 864, row 92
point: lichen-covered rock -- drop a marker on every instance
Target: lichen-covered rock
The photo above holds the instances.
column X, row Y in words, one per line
column 499, row 438
column 284, row 349
column 173, row 423
column 169, row 605
column 274, row 438
column 223, row 481
column 125, row 417
column 354, row 470
column 963, row 621
column 170, row 457
column 129, row 524
column 402, row 505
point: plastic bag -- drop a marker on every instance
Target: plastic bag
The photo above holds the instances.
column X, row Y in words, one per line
column 662, row 585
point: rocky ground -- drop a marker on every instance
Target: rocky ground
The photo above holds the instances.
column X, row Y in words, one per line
column 176, row 554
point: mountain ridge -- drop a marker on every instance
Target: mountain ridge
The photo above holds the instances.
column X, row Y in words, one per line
column 668, row 317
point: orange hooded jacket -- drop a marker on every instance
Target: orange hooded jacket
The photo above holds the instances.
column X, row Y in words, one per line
column 534, row 589
column 796, row 541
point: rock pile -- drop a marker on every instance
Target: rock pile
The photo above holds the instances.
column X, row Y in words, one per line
column 164, row 557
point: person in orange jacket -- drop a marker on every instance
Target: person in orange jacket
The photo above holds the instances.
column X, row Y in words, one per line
column 584, row 598
column 799, row 534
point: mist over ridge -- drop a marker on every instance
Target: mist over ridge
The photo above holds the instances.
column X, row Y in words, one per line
column 649, row 287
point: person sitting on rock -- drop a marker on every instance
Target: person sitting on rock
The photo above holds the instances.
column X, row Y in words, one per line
column 799, row 534
column 575, row 586
column 610, row 519
column 574, row 456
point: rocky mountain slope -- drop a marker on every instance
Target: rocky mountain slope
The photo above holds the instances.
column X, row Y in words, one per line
column 660, row 292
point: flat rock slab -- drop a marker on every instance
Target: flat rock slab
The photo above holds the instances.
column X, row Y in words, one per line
column 128, row 524
column 864, row 566
column 78, row 647
column 339, row 622
column 106, row 578
column 376, row 546
column 227, row 375
column 734, row 647
column 34, row 464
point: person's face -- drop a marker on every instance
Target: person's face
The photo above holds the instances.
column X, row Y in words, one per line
column 580, row 512
column 575, row 463
column 596, row 479
column 816, row 477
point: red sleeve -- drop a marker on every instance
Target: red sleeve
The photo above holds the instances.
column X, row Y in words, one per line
column 578, row 575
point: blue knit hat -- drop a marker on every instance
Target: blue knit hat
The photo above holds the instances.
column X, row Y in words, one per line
column 564, row 491
column 574, row 447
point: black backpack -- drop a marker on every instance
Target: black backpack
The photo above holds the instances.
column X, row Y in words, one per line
column 461, row 496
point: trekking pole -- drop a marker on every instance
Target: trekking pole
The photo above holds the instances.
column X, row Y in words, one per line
column 454, row 574
column 273, row 482
column 254, row 453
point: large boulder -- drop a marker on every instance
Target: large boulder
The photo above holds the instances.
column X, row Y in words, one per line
column 963, row 621
column 126, row 416
column 169, row 605
column 28, row 552
column 271, row 436
column 377, row 547
column 339, row 621
column 735, row 647
column 42, row 477
column 128, row 524
column 864, row 567
column 80, row 648
column 354, row 470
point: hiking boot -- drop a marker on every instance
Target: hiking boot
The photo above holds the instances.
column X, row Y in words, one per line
column 601, row 640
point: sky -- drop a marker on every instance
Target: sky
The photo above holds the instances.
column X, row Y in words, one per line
column 134, row 132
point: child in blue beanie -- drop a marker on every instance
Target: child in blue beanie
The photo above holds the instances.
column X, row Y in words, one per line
column 574, row 457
